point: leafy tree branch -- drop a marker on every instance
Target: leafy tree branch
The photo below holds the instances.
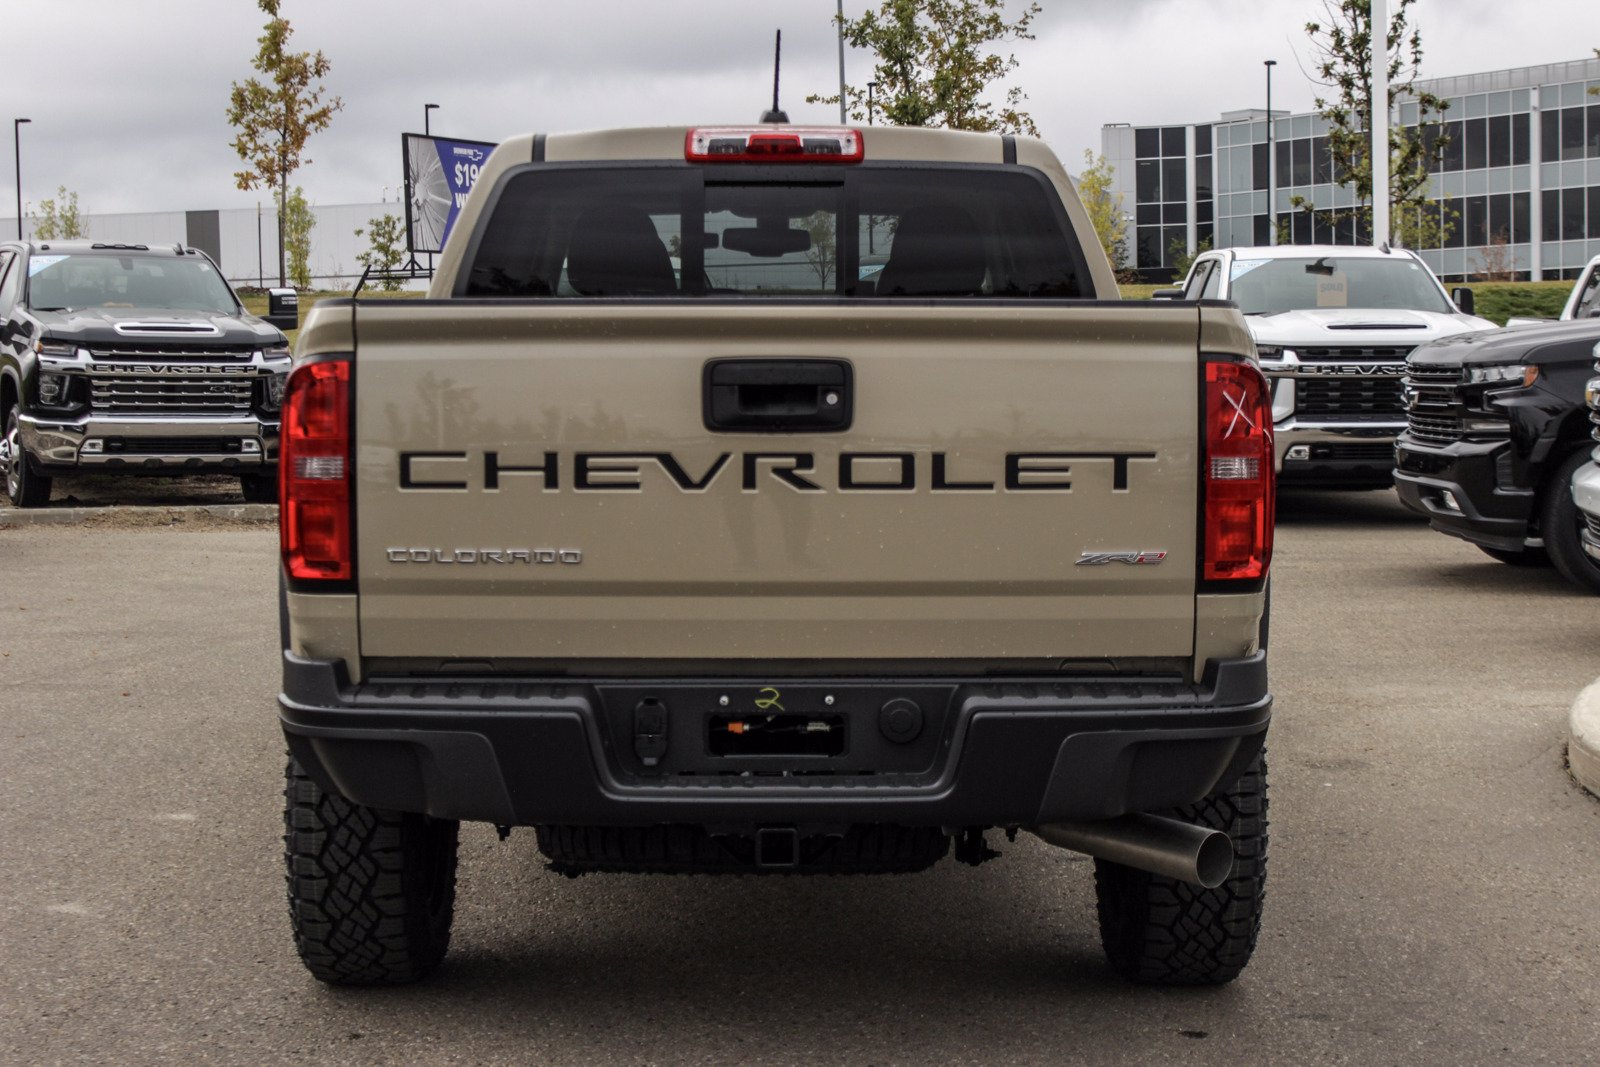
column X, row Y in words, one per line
column 933, row 66
column 275, row 117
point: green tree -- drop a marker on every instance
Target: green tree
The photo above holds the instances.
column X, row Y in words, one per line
column 386, row 247
column 933, row 68
column 275, row 118
column 58, row 218
column 296, row 223
column 1344, row 42
column 1182, row 258
column 1104, row 208
column 822, row 253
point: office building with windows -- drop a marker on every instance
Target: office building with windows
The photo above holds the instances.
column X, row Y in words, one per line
column 1519, row 178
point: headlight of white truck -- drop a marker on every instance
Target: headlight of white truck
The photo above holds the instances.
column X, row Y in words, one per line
column 1272, row 359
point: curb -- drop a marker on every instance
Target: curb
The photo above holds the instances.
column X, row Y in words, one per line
column 1583, row 739
column 150, row 515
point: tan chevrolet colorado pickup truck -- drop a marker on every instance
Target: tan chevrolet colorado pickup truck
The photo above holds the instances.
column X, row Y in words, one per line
column 775, row 499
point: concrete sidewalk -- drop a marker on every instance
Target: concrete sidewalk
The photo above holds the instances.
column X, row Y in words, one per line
column 149, row 515
column 1583, row 739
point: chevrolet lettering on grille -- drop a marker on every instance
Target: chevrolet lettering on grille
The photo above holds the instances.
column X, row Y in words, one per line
column 170, row 369
column 1346, row 370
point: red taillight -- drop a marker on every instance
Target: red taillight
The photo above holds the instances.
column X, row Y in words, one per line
column 1238, row 475
column 314, row 472
column 773, row 144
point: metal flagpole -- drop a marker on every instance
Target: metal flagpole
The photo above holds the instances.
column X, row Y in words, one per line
column 1379, row 123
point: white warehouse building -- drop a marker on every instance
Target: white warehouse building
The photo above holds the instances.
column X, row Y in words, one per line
column 244, row 242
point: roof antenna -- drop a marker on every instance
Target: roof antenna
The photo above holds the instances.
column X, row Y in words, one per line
column 777, row 114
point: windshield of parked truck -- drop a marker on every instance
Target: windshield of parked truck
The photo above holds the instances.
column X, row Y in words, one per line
column 1268, row 286
column 87, row 280
column 670, row 232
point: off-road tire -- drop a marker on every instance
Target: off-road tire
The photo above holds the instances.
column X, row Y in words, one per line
column 24, row 487
column 371, row 893
column 1521, row 557
column 1559, row 519
column 1158, row 931
column 259, row 488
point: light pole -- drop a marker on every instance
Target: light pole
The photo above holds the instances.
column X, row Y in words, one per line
column 1272, row 163
column 872, row 88
column 1378, row 121
column 16, row 147
column 842, row 119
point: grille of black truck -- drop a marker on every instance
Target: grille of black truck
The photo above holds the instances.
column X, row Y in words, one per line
column 154, row 351
column 170, row 395
column 1438, row 428
column 1434, row 413
column 1349, row 400
column 161, row 446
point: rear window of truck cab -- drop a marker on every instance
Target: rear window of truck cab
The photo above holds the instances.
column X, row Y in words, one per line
column 665, row 231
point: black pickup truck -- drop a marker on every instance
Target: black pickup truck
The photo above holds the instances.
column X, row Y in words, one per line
column 133, row 359
column 1496, row 429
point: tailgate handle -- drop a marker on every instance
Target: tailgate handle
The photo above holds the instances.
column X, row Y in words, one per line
column 777, row 395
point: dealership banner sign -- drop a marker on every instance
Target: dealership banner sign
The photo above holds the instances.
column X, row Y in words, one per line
column 440, row 172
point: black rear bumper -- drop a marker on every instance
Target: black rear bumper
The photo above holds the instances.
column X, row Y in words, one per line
column 990, row 752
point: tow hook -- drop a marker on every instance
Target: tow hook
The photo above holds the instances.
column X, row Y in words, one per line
column 650, row 731
column 972, row 849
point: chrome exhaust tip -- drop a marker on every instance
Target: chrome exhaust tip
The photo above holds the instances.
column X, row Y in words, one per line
column 1198, row 855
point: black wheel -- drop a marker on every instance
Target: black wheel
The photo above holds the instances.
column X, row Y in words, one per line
column 1559, row 522
column 26, row 488
column 1526, row 557
column 259, row 488
column 1157, row 931
column 371, row 893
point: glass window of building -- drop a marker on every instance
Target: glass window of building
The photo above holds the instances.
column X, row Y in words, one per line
column 1572, row 133
column 1454, row 152
column 1476, row 144
column 1519, row 139
column 1572, row 214
column 1500, row 141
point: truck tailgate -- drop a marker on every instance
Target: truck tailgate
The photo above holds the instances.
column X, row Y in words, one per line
column 539, row 482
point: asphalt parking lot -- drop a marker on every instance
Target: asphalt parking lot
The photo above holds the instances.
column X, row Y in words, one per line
column 1434, row 893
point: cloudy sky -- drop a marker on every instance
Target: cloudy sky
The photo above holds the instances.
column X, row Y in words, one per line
column 128, row 97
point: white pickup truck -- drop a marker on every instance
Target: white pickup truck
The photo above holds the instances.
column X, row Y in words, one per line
column 1582, row 303
column 1333, row 326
